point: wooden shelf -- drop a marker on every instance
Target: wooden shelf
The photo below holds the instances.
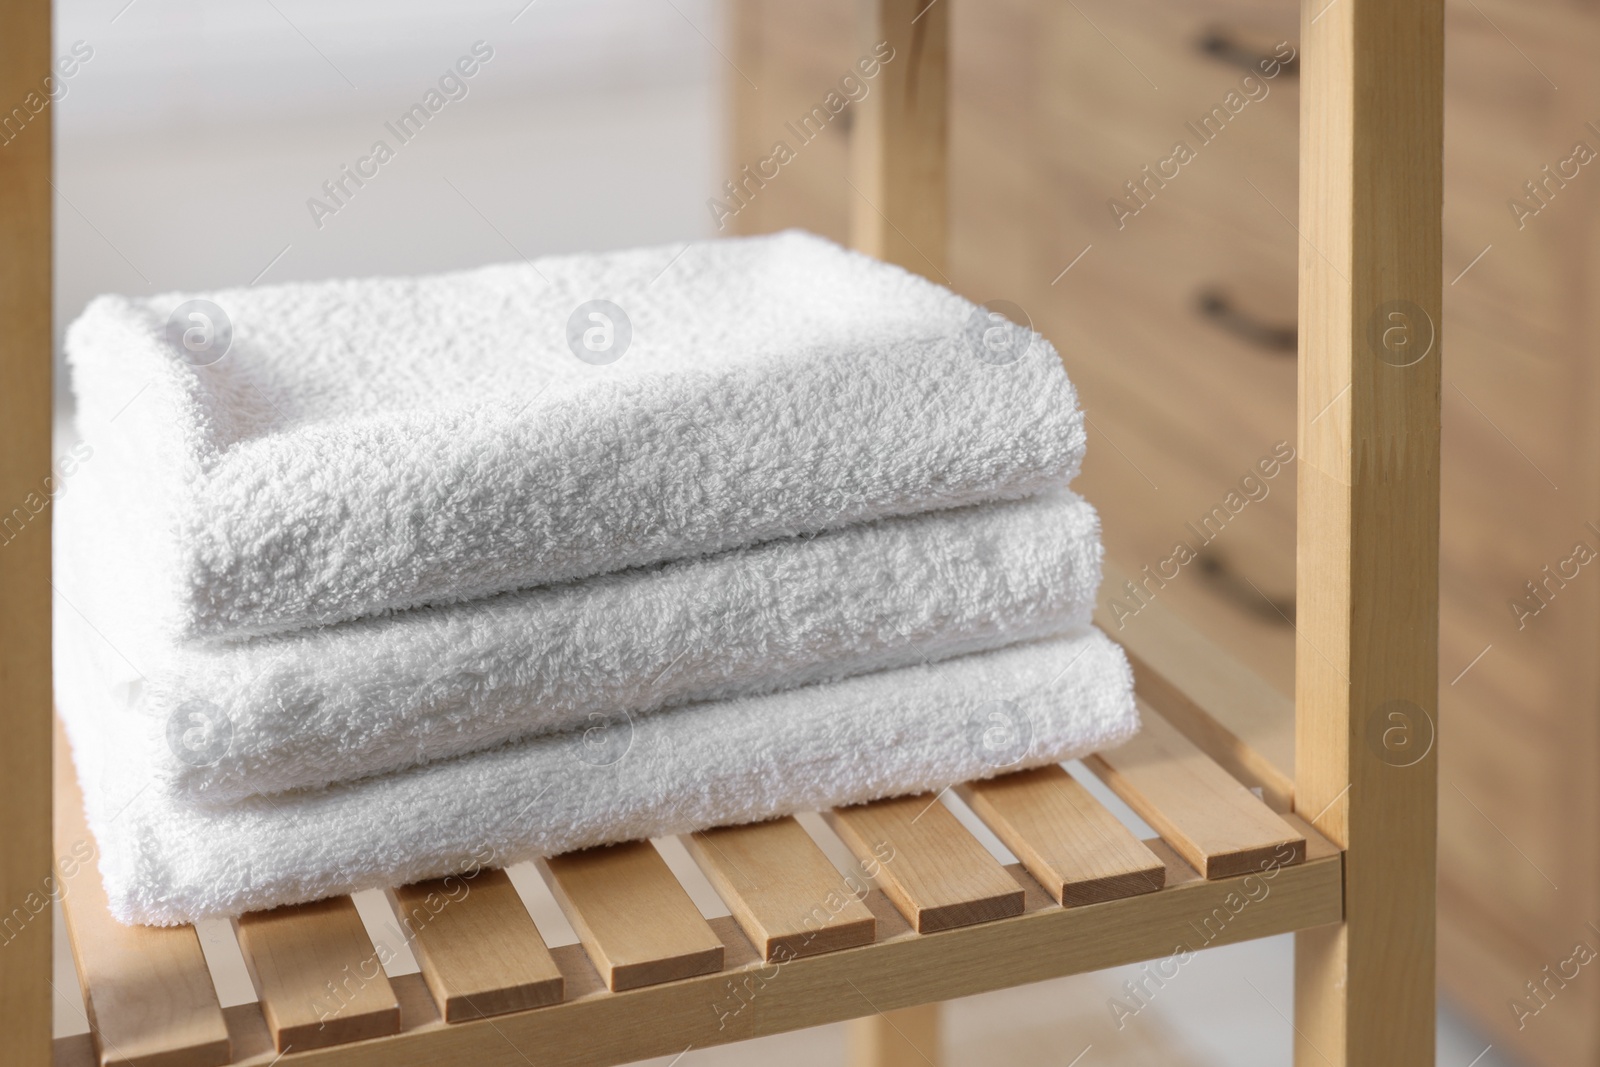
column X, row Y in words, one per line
column 927, row 914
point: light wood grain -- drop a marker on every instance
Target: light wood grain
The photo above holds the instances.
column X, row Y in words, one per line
column 1233, row 714
column 1370, row 172
column 478, row 949
column 634, row 919
column 796, row 56
column 901, row 139
column 318, row 977
column 785, row 895
column 1035, row 155
column 1520, row 330
column 1066, row 838
column 1521, row 730
column 594, row 1027
column 924, row 860
column 1214, row 823
column 905, row 1038
column 146, row 989
column 25, row 476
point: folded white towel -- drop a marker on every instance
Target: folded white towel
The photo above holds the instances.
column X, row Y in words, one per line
column 219, row 722
column 875, row 735
column 371, row 445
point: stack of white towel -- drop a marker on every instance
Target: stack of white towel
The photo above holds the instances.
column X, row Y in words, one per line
column 397, row 581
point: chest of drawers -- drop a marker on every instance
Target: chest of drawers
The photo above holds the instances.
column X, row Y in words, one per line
column 1124, row 171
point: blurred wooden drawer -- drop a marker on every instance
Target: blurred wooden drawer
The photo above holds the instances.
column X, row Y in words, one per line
column 1159, row 101
column 1139, row 70
column 1504, row 508
column 1185, row 292
column 1183, row 314
column 1496, row 835
column 1506, row 121
column 1156, row 489
column 788, row 58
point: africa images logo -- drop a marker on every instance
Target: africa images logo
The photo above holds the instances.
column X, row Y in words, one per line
column 599, row 332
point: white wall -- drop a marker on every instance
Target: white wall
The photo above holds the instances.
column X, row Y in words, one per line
column 174, row 63
column 190, row 142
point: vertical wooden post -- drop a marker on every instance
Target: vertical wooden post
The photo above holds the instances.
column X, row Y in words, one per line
column 1366, row 661
column 901, row 138
column 899, row 168
column 748, row 24
column 905, row 1038
column 25, row 484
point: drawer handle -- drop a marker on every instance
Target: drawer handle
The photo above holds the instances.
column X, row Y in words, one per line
column 1219, row 45
column 1221, row 577
column 1215, row 305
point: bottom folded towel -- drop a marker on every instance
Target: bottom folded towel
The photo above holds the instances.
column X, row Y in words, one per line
column 887, row 734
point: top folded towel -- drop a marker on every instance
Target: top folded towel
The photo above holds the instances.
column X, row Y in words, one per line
column 302, row 454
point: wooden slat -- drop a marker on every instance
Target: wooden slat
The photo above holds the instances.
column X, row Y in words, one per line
column 594, row 1028
column 785, row 895
column 27, row 482
column 478, row 949
column 319, row 978
column 1367, row 640
column 900, row 142
column 1066, row 839
column 934, row 870
column 634, row 919
column 1213, row 822
column 147, row 989
column 1233, row 714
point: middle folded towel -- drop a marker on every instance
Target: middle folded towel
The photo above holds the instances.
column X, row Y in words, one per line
column 335, row 703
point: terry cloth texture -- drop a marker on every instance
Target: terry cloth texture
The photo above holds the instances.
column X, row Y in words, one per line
column 885, row 734
column 339, row 702
column 370, row 445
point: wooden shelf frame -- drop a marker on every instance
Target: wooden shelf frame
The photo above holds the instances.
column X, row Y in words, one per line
column 1285, row 877
column 1363, row 809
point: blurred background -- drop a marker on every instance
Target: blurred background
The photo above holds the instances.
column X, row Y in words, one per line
column 194, row 141
column 189, row 143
